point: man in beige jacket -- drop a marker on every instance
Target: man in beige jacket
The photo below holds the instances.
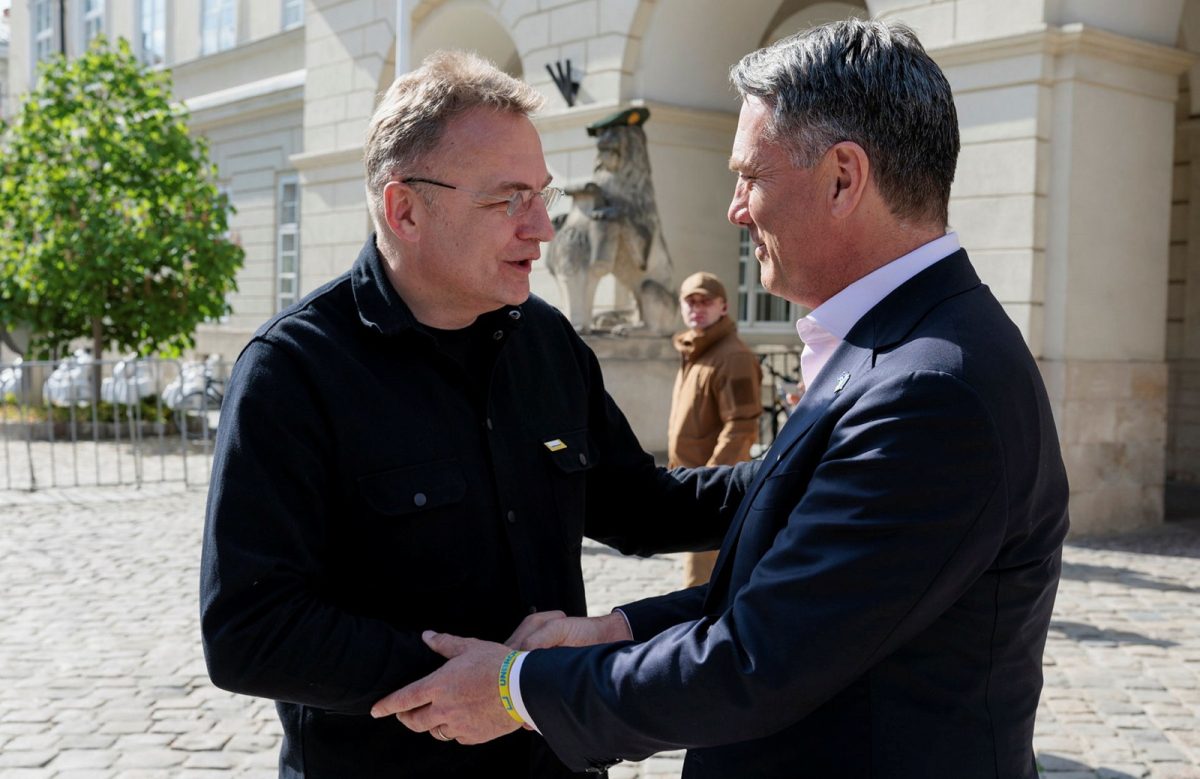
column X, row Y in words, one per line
column 716, row 402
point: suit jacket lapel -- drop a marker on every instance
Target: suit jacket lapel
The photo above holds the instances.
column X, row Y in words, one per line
column 846, row 359
column 884, row 326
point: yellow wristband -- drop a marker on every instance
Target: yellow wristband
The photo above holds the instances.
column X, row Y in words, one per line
column 505, row 693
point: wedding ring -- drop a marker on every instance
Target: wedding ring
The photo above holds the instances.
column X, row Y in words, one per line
column 438, row 734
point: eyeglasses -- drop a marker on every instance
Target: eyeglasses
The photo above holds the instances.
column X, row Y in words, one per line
column 518, row 201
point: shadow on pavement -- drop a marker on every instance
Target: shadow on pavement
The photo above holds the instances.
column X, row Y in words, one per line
column 1125, row 577
column 1051, row 765
column 1173, row 539
column 1079, row 631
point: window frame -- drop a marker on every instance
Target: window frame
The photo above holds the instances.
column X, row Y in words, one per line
column 282, row 230
column 47, row 36
column 86, row 18
column 750, row 293
column 298, row 7
column 159, row 19
column 218, row 11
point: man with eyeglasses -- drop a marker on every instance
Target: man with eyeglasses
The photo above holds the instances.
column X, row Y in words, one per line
column 420, row 444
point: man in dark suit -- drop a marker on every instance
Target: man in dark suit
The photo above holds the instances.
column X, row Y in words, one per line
column 881, row 601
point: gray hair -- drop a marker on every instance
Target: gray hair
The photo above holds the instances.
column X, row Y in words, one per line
column 414, row 112
column 871, row 83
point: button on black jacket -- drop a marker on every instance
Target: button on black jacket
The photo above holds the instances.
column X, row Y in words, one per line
column 366, row 486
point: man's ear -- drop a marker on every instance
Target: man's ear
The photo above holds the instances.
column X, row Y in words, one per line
column 402, row 210
column 851, row 174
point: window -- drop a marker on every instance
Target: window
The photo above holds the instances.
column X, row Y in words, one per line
column 218, row 25
column 154, row 32
column 293, row 13
column 757, row 308
column 42, row 16
column 287, row 289
column 93, row 20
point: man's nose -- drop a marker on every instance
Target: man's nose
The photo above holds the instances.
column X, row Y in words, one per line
column 535, row 222
column 739, row 213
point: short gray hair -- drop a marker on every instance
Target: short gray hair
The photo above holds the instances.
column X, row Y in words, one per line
column 414, row 112
column 871, row 83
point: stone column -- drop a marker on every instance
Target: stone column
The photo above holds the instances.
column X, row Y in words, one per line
column 1063, row 200
column 1108, row 245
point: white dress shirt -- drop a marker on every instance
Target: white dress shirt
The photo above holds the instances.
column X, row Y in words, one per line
column 822, row 330
column 827, row 325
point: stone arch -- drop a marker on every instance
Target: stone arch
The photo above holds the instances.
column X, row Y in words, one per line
column 671, row 68
column 796, row 15
column 472, row 25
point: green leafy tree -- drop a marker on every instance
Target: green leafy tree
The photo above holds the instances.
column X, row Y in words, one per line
column 110, row 224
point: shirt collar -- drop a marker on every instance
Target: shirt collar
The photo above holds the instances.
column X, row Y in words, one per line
column 381, row 308
column 836, row 316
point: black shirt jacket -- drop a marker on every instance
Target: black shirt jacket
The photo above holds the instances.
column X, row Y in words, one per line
column 367, row 486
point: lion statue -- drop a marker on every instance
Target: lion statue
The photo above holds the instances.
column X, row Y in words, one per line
column 613, row 227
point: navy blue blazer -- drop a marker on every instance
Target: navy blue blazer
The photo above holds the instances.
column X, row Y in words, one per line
column 882, row 598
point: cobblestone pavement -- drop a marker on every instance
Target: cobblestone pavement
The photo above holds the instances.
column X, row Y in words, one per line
column 101, row 673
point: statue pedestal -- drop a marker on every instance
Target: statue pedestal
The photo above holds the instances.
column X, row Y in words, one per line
column 639, row 373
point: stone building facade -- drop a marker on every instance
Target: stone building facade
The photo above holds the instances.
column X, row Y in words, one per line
column 1074, row 193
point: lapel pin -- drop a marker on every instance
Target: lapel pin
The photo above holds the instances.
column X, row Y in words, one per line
column 554, row 445
column 841, row 382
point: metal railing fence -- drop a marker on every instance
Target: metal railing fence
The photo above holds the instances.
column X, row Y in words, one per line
column 82, row 422
column 780, row 377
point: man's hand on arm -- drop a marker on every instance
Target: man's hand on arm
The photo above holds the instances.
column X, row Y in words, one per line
column 547, row 629
column 458, row 702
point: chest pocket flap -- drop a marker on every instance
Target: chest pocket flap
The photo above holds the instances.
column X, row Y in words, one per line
column 570, row 452
column 414, row 488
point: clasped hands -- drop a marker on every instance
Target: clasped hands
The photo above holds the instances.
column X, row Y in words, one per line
column 461, row 700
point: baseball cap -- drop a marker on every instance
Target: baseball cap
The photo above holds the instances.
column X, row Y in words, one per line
column 705, row 283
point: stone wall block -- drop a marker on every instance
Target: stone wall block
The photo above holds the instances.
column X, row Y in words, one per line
column 348, row 15
column 1186, row 375
column 1141, row 422
column 1148, row 381
column 328, row 80
column 617, row 16
column 511, row 11
column 581, row 165
column 378, row 38
column 1181, row 180
column 531, row 32
column 323, row 111
column 1180, row 225
column 996, row 222
column 601, row 86
column 983, row 19
column 360, row 104
column 997, row 168
column 1054, row 376
column 321, row 136
column 606, row 52
column 350, row 133
column 1097, row 380
column 1175, row 339
column 1014, row 276
column 1090, row 422
column 933, row 23
column 1177, row 270
column 1000, row 114
column 577, row 22
column 1115, row 509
